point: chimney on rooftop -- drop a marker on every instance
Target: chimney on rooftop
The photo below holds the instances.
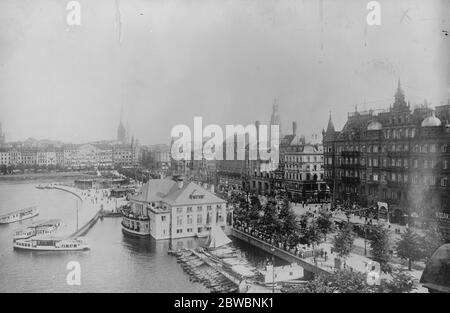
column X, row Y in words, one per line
column 294, row 128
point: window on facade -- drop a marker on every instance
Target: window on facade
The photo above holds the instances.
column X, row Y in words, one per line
column 179, row 210
column 433, row 148
column 179, row 220
column 445, row 164
column 189, row 210
column 199, row 218
column 444, row 182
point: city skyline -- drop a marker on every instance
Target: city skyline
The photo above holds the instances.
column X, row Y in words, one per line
column 311, row 56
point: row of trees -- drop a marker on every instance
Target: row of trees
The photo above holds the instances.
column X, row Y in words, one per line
column 411, row 246
column 346, row 281
column 276, row 219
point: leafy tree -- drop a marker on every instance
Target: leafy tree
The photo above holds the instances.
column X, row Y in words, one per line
column 380, row 246
column 303, row 222
column 431, row 240
column 325, row 223
column 408, row 247
column 343, row 241
column 401, row 282
column 346, row 281
column 342, row 281
column 269, row 220
column 287, row 218
column 312, row 235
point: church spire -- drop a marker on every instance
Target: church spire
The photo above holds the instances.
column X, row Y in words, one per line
column 121, row 131
column 330, row 127
column 399, row 97
column 275, row 117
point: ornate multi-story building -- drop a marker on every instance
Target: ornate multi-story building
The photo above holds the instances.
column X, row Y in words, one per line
column 398, row 156
column 300, row 171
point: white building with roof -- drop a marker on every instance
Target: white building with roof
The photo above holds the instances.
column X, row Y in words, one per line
column 173, row 208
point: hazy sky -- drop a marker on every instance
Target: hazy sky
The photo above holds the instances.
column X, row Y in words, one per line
column 167, row 61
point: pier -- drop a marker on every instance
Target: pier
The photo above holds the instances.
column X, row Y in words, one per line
column 94, row 204
column 309, row 268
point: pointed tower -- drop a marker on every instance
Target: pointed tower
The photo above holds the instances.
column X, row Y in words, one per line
column 399, row 103
column 328, row 135
column 330, row 127
column 275, row 117
column 121, row 131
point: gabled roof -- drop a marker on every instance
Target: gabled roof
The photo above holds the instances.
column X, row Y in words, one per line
column 167, row 190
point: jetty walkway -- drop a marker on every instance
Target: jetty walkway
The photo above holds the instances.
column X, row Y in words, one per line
column 93, row 204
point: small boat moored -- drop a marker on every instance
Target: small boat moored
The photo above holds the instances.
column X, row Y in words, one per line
column 19, row 215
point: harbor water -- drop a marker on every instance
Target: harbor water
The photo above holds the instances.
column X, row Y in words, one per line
column 115, row 263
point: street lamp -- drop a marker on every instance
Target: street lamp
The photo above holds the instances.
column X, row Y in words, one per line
column 365, row 238
column 272, row 249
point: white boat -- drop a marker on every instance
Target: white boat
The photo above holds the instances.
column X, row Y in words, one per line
column 51, row 244
column 19, row 215
column 216, row 238
column 38, row 229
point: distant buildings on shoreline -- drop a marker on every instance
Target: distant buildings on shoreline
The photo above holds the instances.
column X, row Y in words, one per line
column 46, row 153
column 101, row 155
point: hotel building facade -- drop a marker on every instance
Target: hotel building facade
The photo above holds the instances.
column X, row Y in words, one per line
column 397, row 156
column 173, row 208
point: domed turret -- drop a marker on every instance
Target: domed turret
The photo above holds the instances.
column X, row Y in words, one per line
column 436, row 276
column 431, row 121
column 374, row 125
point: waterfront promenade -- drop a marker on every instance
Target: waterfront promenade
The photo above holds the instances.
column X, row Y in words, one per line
column 316, row 264
column 360, row 254
column 92, row 202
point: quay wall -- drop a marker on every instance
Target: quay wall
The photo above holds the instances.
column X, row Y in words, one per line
column 309, row 268
column 86, row 227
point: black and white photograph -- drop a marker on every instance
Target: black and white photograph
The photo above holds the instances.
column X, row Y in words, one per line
column 227, row 147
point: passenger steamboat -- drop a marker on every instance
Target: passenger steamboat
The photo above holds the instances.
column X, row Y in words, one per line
column 51, row 244
column 38, row 229
column 19, row 215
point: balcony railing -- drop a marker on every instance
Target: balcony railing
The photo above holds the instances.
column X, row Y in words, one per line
column 128, row 213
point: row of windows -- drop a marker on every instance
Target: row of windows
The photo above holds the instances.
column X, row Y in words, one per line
column 299, row 176
column 190, row 220
column 199, row 208
column 189, row 230
column 396, row 162
column 305, row 159
column 429, row 180
column 424, row 148
column 314, row 167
